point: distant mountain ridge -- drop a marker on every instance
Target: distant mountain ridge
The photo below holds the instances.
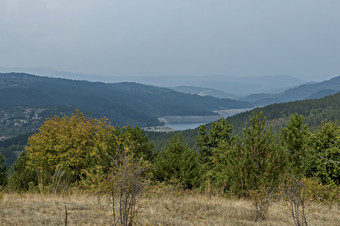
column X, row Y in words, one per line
column 123, row 103
column 307, row 91
column 238, row 86
column 204, row 91
column 235, row 85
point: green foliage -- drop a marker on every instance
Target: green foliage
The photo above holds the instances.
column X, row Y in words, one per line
column 3, row 172
column 219, row 174
column 125, row 175
column 257, row 160
column 23, row 178
column 160, row 139
column 177, row 164
column 75, row 151
column 70, row 142
column 212, row 158
column 323, row 159
column 220, row 132
column 143, row 147
column 314, row 190
column 294, row 138
column 121, row 138
column 204, row 151
column 314, row 112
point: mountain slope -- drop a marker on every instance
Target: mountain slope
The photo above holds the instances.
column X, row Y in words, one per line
column 122, row 103
column 237, row 85
column 307, row 91
column 203, row 91
column 277, row 115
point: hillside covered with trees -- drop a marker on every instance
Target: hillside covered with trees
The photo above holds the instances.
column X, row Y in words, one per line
column 314, row 111
column 123, row 103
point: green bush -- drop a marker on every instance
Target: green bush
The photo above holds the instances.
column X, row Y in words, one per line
column 22, row 178
column 316, row 191
column 177, row 164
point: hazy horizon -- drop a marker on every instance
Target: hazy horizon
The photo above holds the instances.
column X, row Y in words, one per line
column 112, row 38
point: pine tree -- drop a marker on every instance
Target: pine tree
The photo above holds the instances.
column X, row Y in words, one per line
column 323, row 157
column 211, row 158
column 256, row 160
column 220, row 132
column 22, row 176
column 177, row 163
column 294, row 138
column 204, row 152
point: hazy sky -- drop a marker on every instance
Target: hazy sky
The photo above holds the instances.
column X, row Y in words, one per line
column 173, row 37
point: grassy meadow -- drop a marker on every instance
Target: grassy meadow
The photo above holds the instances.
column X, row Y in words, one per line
column 154, row 208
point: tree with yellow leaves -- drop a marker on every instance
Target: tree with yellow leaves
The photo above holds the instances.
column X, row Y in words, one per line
column 67, row 147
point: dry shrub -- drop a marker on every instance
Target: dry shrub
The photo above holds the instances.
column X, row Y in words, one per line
column 302, row 193
column 125, row 184
column 261, row 198
column 294, row 192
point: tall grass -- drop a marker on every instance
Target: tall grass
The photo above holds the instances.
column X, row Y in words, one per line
column 155, row 208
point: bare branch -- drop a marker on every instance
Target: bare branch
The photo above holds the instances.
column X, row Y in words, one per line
column 329, row 160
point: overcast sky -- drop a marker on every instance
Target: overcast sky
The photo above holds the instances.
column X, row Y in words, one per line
column 173, row 37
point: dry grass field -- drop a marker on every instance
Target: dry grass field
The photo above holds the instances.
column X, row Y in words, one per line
column 156, row 209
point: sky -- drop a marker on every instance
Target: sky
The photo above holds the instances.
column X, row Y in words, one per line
column 300, row 38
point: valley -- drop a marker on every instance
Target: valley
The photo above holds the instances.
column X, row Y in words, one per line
column 169, row 142
column 160, row 113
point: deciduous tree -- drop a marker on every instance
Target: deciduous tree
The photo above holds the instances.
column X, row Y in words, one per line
column 70, row 143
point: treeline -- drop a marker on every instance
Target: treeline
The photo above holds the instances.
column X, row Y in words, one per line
column 229, row 162
column 73, row 151
column 237, row 164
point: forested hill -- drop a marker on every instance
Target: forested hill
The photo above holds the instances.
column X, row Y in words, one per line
column 277, row 115
column 121, row 103
column 314, row 111
column 307, row 91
